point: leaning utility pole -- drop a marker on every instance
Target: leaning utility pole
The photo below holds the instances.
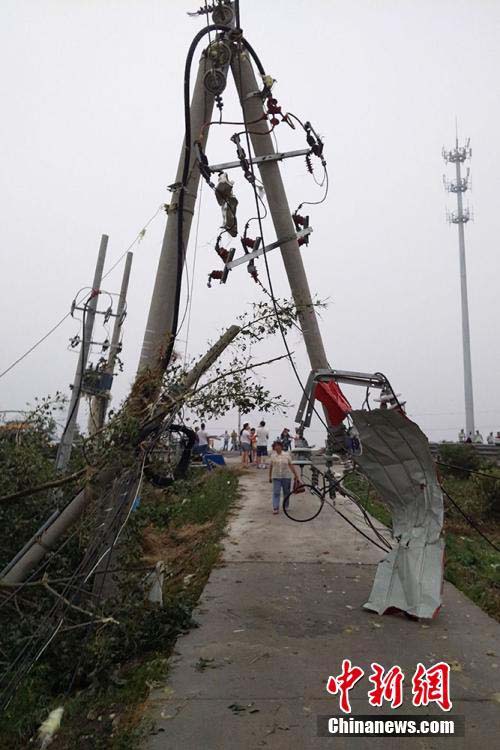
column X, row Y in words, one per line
column 262, row 143
column 99, row 403
column 161, row 312
column 460, row 185
column 162, row 307
column 66, row 444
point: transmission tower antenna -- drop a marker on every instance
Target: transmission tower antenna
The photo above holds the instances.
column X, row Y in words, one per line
column 457, row 156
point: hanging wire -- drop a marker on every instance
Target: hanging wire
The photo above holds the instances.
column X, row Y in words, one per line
column 35, row 345
column 193, row 270
column 268, row 273
column 469, row 520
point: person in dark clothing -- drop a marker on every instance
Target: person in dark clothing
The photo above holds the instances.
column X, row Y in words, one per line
column 285, row 439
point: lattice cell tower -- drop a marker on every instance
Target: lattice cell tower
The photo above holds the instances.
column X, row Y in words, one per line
column 460, row 217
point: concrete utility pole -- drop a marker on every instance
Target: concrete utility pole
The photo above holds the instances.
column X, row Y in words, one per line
column 162, row 308
column 161, row 311
column 64, row 449
column 460, row 185
column 262, row 143
column 99, row 404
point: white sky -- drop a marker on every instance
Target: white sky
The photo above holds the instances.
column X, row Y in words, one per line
column 90, row 135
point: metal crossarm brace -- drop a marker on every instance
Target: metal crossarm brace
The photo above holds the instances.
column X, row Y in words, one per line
column 306, row 406
column 258, row 160
column 261, row 250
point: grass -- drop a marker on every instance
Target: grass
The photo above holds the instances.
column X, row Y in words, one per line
column 471, row 564
column 183, row 527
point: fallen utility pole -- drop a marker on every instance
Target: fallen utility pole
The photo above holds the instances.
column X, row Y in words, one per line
column 47, row 539
column 66, row 443
column 99, row 404
column 123, row 492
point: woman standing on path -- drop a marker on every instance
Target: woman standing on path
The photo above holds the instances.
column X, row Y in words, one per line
column 280, row 470
column 245, row 443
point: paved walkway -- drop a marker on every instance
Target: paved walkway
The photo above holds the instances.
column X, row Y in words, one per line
column 277, row 618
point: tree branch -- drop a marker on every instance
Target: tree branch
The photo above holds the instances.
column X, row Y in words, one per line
column 103, row 620
column 41, row 487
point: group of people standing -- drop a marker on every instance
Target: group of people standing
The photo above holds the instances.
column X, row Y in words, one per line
column 478, row 438
column 252, row 442
column 253, row 445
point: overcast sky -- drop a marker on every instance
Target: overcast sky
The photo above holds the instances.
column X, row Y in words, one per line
column 90, row 136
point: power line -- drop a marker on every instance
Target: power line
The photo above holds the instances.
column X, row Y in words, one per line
column 190, row 293
column 268, row 273
column 138, row 237
column 469, row 520
column 32, row 348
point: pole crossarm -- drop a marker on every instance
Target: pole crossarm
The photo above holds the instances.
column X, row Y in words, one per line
column 279, row 156
column 261, row 250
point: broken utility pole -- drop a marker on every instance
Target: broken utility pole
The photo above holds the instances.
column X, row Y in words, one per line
column 23, row 564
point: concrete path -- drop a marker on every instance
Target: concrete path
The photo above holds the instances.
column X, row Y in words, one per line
column 277, row 618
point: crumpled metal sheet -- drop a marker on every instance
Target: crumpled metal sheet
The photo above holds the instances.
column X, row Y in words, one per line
column 396, row 460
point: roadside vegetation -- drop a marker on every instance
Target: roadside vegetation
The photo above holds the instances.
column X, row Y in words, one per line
column 471, row 564
column 102, row 675
column 92, row 627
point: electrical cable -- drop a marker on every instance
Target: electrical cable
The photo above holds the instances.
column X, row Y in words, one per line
column 32, row 348
column 183, row 184
column 29, row 648
column 138, row 238
column 57, row 325
column 469, row 471
column 469, row 520
column 185, row 172
column 268, row 273
column 323, row 199
column 366, row 517
column 195, row 253
column 342, row 515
